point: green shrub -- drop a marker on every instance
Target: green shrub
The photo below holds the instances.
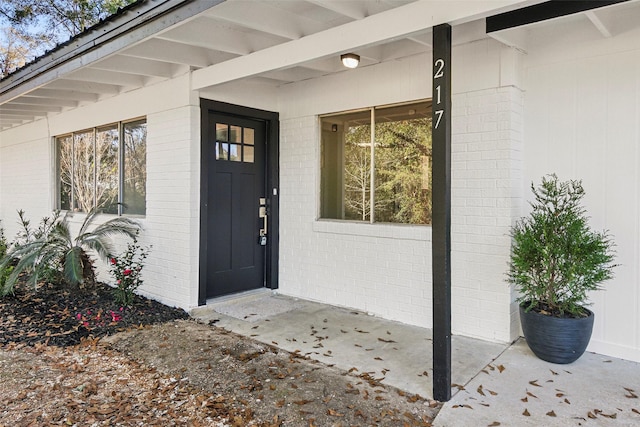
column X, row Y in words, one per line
column 126, row 270
column 5, row 272
column 50, row 250
column 556, row 259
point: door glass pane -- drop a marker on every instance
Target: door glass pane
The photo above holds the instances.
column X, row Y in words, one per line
column 135, row 168
column 248, row 154
column 107, row 169
column 222, row 132
column 64, row 147
column 83, row 171
column 234, row 152
column 222, row 151
column 235, row 134
column 249, row 136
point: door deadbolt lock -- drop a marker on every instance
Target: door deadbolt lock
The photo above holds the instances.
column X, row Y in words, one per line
column 262, row 240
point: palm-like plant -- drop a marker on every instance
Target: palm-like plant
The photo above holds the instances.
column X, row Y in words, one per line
column 59, row 250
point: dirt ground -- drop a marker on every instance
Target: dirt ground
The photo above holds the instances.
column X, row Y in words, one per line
column 275, row 386
column 186, row 373
column 168, row 370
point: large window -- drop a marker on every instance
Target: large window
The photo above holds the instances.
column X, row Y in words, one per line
column 376, row 164
column 98, row 168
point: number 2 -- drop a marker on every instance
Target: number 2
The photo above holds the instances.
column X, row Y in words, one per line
column 439, row 64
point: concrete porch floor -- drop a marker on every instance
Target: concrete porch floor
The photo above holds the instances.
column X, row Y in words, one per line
column 493, row 383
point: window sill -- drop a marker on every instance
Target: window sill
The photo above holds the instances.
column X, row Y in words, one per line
column 383, row 230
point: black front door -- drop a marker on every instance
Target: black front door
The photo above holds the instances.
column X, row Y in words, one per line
column 234, row 151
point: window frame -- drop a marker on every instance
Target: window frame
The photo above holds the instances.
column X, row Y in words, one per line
column 119, row 126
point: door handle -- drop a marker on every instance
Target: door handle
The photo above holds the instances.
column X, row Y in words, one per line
column 262, row 213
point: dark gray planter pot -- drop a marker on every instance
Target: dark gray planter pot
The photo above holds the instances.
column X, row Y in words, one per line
column 555, row 339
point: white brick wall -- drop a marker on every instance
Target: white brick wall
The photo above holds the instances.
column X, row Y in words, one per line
column 171, row 224
column 25, row 175
column 486, row 173
column 172, row 221
column 382, row 269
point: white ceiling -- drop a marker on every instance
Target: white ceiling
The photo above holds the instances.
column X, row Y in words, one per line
column 241, row 28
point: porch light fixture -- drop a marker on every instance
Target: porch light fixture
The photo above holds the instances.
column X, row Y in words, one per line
column 350, row 60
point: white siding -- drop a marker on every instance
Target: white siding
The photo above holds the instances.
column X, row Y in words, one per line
column 582, row 121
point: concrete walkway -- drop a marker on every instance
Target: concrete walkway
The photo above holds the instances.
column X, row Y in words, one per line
column 493, row 383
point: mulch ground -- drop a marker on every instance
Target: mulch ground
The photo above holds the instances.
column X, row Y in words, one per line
column 61, row 317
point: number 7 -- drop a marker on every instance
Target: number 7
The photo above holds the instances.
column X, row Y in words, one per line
column 439, row 113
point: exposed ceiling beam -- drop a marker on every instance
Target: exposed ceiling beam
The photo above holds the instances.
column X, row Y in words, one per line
column 349, row 9
column 180, row 53
column 44, row 101
column 230, row 40
column 139, row 66
column 87, row 87
column 542, row 12
column 18, row 115
column 422, row 41
column 597, row 21
column 394, row 23
column 261, row 16
column 31, row 108
column 108, row 77
column 62, row 94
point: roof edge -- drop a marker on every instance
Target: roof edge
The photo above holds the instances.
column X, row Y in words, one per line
column 132, row 23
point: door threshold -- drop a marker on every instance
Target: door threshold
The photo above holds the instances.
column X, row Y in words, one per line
column 240, row 296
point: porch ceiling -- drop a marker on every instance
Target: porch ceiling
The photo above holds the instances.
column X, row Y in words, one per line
column 276, row 42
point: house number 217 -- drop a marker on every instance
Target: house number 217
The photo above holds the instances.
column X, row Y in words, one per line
column 438, row 67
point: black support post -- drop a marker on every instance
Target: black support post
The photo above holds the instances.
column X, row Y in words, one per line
column 441, row 211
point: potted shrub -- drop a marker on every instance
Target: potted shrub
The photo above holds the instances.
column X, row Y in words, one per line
column 556, row 260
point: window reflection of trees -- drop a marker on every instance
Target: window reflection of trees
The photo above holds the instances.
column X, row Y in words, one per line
column 135, row 167
column 89, row 172
column 402, row 165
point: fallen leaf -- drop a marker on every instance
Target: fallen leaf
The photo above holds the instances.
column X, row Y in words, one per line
column 501, row 368
column 494, row 424
column 334, row 413
column 531, row 394
column 302, row 402
column 387, row 341
column 525, row 399
column 635, row 410
column 551, row 414
column 535, row 383
column 526, row 413
column 480, row 391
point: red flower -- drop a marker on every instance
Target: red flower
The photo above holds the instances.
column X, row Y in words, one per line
column 126, row 272
column 113, row 261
